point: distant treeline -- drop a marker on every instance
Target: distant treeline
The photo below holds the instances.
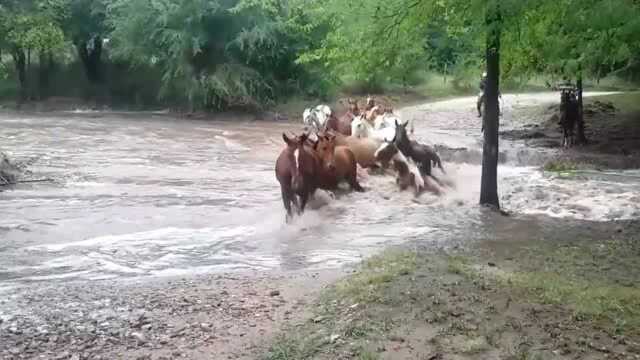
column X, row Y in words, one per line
column 218, row 54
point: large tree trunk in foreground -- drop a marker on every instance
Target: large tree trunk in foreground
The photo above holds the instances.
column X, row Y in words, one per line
column 580, row 136
column 489, row 185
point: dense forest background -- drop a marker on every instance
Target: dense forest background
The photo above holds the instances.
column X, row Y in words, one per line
column 221, row 54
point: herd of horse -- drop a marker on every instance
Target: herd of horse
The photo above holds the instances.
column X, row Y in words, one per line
column 332, row 149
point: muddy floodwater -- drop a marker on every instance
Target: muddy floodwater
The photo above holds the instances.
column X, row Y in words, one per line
column 147, row 195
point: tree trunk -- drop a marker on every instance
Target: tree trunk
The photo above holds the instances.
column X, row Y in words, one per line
column 29, row 80
column 44, row 73
column 20, row 62
column 580, row 136
column 445, row 73
column 91, row 55
column 489, row 183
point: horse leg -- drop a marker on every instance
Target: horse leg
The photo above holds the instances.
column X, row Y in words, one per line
column 425, row 167
column 352, row 177
column 353, row 181
column 304, row 198
column 287, row 200
column 437, row 162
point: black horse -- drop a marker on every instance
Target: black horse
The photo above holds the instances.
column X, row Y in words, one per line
column 423, row 155
column 569, row 113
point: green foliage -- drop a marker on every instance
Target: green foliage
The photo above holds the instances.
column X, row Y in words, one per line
column 34, row 32
column 217, row 54
column 225, row 53
column 565, row 37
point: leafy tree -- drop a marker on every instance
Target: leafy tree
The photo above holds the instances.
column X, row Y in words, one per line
column 574, row 39
column 85, row 26
column 218, row 53
column 30, row 27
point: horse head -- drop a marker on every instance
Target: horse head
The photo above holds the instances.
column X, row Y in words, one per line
column 325, row 150
column 303, row 160
column 353, row 106
column 371, row 102
column 360, row 127
column 401, row 138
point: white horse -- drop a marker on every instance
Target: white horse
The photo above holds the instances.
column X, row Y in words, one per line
column 317, row 117
column 388, row 120
column 361, row 128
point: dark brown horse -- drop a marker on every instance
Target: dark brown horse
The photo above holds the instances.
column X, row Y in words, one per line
column 422, row 154
column 338, row 164
column 296, row 169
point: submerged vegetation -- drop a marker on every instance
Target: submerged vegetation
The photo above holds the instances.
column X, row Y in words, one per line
column 217, row 54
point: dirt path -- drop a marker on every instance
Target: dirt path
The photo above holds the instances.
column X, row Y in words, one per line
column 226, row 316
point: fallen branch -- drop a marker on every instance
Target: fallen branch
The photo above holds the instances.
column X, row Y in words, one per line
column 6, row 183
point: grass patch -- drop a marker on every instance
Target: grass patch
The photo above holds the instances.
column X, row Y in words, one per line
column 614, row 305
column 560, row 166
column 351, row 312
column 290, row 348
column 475, row 346
column 367, row 285
column 460, row 266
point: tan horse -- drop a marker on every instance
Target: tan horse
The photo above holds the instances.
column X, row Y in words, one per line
column 363, row 149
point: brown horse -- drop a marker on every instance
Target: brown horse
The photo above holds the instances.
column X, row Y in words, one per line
column 296, row 170
column 338, row 164
column 343, row 125
column 363, row 149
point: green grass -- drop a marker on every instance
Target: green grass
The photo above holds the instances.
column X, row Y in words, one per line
column 561, row 166
column 459, row 265
column 367, row 285
column 616, row 307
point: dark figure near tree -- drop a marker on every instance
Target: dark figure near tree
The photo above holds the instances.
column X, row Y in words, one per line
column 569, row 114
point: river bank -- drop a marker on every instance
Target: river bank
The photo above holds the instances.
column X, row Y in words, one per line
column 560, row 295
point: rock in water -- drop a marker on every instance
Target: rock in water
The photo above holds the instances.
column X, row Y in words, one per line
column 8, row 171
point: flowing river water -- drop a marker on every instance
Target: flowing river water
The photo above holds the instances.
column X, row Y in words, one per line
column 142, row 194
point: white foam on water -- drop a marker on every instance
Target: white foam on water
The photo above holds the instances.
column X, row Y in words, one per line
column 231, row 144
column 163, row 236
